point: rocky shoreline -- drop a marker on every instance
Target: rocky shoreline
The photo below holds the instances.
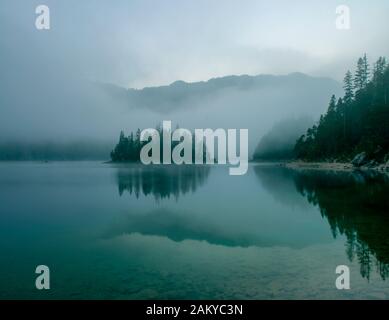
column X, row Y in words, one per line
column 336, row 166
column 362, row 162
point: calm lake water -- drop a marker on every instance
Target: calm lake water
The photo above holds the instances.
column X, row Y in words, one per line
column 135, row 232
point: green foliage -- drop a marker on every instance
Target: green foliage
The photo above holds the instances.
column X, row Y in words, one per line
column 357, row 122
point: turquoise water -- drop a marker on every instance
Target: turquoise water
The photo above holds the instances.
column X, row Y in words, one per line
column 138, row 232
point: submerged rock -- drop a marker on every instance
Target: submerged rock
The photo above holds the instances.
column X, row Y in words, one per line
column 360, row 159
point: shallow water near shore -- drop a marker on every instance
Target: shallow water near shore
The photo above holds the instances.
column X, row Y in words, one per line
column 191, row 232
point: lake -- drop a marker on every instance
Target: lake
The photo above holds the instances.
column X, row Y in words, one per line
column 110, row 231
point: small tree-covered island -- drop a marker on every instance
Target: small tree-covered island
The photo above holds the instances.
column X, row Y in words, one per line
column 128, row 149
column 162, row 145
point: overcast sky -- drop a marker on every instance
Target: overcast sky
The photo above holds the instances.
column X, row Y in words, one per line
column 146, row 43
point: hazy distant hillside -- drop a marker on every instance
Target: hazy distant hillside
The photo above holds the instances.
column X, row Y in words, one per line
column 279, row 142
column 55, row 151
column 181, row 94
column 79, row 110
column 253, row 102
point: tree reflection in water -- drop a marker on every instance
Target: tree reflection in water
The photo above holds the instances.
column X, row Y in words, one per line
column 355, row 204
column 161, row 181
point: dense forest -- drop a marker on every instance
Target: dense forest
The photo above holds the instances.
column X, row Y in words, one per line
column 128, row 148
column 358, row 122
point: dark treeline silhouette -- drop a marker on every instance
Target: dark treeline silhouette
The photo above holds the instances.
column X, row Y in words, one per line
column 162, row 182
column 128, row 148
column 357, row 122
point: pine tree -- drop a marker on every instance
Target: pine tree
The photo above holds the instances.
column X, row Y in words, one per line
column 332, row 105
column 361, row 77
column 379, row 68
column 386, row 86
column 358, row 78
column 348, row 88
column 366, row 70
column 379, row 81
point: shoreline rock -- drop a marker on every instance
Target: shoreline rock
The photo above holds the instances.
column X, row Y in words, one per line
column 338, row 166
column 360, row 159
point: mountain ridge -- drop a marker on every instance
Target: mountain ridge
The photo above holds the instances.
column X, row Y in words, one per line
column 165, row 97
column 180, row 82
